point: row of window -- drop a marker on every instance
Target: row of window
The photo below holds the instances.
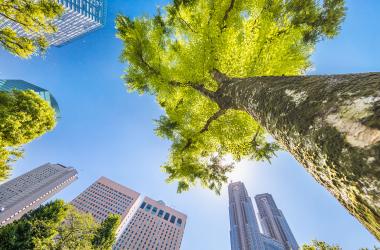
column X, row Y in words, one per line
column 149, row 207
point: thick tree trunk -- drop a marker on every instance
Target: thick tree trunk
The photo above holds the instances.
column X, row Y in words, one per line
column 330, row 124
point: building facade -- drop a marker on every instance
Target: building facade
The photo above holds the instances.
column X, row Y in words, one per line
column 273, row 222
column 80, row 17
column 28, row 191
column 244, row 228
column 154, row 226
column 106, row 197
column 9, row 85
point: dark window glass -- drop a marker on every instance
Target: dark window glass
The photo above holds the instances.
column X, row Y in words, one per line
column 142, row 205
column 148, row 207
column 160, row 213
column 172, row 219
column 154, row 210
column 166, row 217
column 179, row 222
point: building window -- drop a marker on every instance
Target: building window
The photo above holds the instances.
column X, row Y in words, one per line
column 154, row 210
column 148, row 207
column 160, row 213
column 166, row 217
column 179, row 222
column 172, row 219
column 143, row 205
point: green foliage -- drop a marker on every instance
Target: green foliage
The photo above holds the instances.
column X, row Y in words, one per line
column 105, row 235
column 174, row 56
column 24, row 116
column 320, row 245
column 35, row 229
column 34, row 17
column 58, row 226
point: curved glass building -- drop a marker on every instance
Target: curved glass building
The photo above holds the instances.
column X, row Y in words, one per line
column 9, row 85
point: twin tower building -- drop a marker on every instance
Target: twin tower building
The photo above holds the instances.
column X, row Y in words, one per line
column 146, row 224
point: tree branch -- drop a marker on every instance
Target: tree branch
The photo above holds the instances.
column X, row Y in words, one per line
column 212, row 118
column 199, row 87
column 232, row 3
column 219, row 76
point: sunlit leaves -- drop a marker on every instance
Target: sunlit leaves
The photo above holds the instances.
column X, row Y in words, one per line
column 24, row 116
column 35, row 18
column 173, row 54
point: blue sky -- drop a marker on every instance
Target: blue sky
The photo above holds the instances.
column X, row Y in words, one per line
column 104, row 130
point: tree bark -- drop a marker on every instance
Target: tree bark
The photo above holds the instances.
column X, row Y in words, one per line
column 330, row 124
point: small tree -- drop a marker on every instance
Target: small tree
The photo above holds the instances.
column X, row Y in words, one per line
column 24, row 116
column 35, row 18
column 320, row 245
column 59, row 226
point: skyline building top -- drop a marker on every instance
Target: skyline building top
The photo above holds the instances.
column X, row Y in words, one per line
column 28, row 191
column 79, row 18
column 9, row 85
column 244, row 228
column 105, row 197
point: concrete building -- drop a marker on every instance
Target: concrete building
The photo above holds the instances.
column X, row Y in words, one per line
column 146, row 224
column 80, row 17
column 273, row 221
column 154, row 226
column 106, row 197
column 244, row 229
column 9, row 85
column 28, row 191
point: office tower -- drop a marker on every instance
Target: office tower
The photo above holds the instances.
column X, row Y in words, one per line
column 106, row 197
column 28, row 191
column 154, row 226
column 80, row 17
column 244, row 230
column 273, row 221
column 9, row 85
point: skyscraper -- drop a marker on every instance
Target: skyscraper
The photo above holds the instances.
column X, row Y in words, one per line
column 106, row 197
column 28, row 191
column 273, row 221
column 244, row 229
column 9, row 85
column 153, row 226
column 79, row 18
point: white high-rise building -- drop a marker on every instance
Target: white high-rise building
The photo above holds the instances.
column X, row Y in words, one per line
column 79, row 18
column 28, row 191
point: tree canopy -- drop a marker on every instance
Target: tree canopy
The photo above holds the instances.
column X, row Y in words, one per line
column 178, row 54
column 34, row 17
column 59, row 226
column 24, row 116
column 321, row 245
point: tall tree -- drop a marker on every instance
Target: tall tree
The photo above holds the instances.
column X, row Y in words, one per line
column 24, row 116
column 34, row 17
column 58, row 226
column 224, row 73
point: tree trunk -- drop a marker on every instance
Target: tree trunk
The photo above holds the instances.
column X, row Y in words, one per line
column 330, row 124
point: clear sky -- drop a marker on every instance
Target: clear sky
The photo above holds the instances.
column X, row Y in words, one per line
column 104, row 130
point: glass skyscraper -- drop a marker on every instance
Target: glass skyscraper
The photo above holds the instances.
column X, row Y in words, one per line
column 79, row 18
column 9, row 85
column 244, row 228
